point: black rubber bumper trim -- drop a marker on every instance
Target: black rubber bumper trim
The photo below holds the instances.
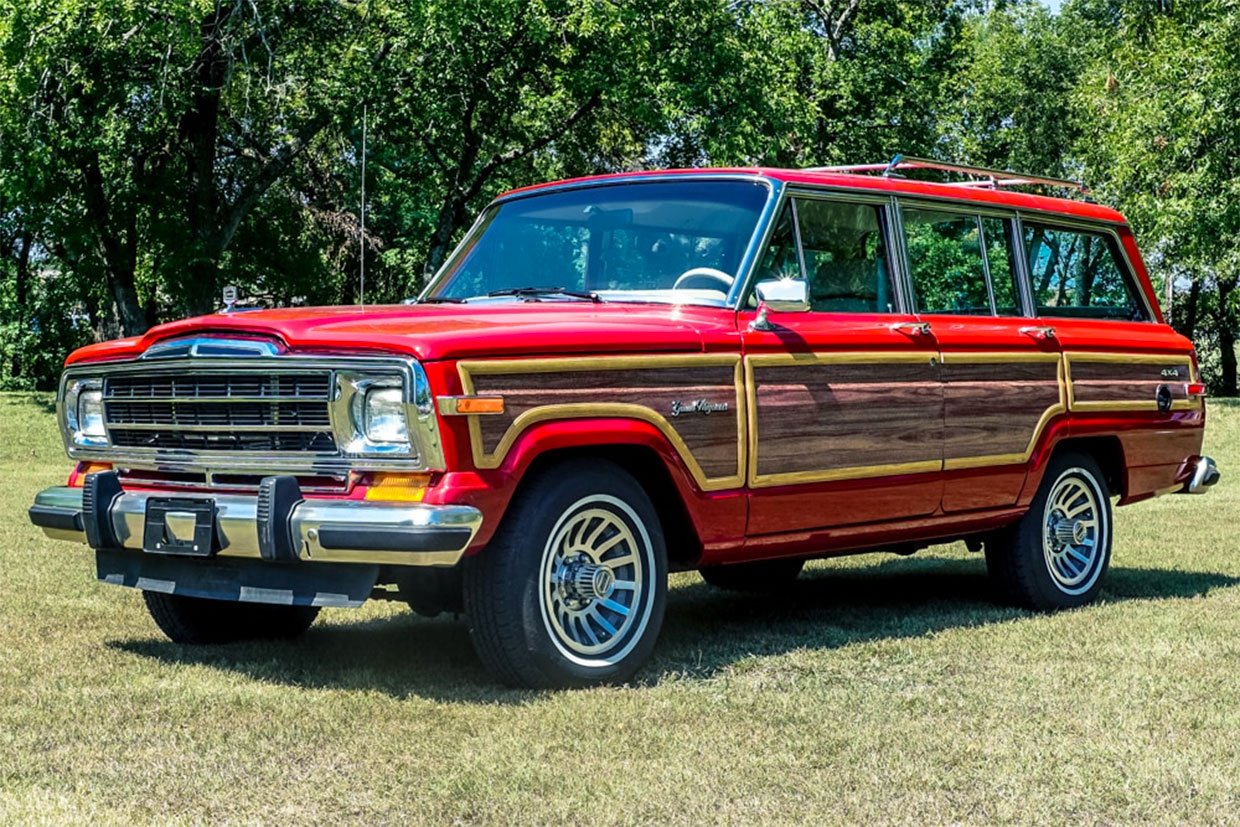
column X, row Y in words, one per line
column 244, row 579
column 50, row 516
column 364, row 537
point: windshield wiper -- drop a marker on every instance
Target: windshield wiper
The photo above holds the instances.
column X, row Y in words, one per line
column 440, row 300
column 533, row 293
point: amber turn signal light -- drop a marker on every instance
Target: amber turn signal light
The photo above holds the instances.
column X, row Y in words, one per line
column 404, row 488
column 469, row 405
column 78, row 477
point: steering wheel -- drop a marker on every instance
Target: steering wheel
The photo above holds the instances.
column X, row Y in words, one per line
column 713, row 277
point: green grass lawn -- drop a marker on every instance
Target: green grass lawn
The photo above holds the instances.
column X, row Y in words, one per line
column 882, row 689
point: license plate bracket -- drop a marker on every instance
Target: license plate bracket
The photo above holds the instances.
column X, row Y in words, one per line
column 180, row 526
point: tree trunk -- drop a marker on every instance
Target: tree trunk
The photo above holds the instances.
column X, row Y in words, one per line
column 1227, row 337
column 128, row 309
column 1185, row 322
column 451, row 217
column 22, row 291
column 199, row 129
column 204, row 278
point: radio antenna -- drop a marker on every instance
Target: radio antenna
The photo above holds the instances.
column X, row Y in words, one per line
column 361, row 257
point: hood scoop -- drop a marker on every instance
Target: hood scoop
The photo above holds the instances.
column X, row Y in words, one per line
column 212, row 347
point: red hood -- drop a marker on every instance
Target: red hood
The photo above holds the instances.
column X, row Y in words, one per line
column 431, row 332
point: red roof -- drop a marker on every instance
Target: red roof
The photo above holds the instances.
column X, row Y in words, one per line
column 981, row 195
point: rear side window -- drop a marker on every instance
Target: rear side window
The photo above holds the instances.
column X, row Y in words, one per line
column 946, row 262
column 1000, row 243
column 1080, row 274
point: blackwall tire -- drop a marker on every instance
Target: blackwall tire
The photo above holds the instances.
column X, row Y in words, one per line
column 1056, row 556
column 196, row 620
column 761, row 576
column 572, row 589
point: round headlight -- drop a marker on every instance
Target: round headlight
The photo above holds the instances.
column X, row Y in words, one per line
column 384, row 415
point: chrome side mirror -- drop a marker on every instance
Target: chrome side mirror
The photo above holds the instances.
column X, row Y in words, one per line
column 780, row 296
column 783, row 295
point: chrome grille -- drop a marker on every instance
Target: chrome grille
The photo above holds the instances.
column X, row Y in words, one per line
column 208, row 411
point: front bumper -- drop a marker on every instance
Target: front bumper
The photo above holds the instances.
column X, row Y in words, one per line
column 321, row 530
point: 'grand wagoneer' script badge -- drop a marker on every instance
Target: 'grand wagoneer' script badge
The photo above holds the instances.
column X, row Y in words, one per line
column 701, row 406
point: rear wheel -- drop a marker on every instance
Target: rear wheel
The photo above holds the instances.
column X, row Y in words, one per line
column 1056, row 555
column 762, row 576
column 571, row 591
column 197, row 620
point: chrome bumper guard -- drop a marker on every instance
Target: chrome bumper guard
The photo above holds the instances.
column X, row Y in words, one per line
column 1205, row 476
column 318, row 530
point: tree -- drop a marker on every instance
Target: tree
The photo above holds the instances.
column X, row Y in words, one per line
column 150, row 135
column 1159, row 132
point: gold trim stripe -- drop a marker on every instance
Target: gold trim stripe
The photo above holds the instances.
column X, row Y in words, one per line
column 586, row 410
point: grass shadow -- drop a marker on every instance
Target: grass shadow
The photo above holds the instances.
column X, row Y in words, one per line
column 706, row 630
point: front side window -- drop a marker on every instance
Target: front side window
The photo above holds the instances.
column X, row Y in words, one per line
column 845, row 257
column 1079, row 274
column 843, row 251
column 666, row 241
column 946, row 262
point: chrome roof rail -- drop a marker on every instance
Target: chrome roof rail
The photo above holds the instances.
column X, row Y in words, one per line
column 982, row 177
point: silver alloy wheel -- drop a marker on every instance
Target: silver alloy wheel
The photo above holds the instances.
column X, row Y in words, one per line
column 1074, row 531
column 595, row 581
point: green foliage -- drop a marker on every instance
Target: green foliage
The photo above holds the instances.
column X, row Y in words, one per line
column 151, row 154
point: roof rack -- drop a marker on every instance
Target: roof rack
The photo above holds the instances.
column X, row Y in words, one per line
column 982, row 177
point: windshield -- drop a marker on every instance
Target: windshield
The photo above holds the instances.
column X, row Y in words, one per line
column 679, row 241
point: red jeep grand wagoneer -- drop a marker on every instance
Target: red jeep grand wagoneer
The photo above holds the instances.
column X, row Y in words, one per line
column 729, row 370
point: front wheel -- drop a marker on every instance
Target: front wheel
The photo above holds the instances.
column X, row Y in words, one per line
column 1056, row 555
column 197, row 620
column 571, row 591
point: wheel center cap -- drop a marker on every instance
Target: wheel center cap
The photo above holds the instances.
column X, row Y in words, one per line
column 1070, row 532
column 593, row 582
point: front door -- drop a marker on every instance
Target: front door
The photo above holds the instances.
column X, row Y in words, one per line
column 845, row 401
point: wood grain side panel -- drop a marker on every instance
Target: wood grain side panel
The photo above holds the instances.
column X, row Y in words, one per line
column 1135, row 383
column 711, row 438
column 820, row 419
column 997, row 409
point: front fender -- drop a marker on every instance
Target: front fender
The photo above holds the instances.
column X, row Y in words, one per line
column 717, row 517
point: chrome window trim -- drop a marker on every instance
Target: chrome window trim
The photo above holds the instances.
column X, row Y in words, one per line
column 743, row 269
column 419, row 413
column 1092, row 226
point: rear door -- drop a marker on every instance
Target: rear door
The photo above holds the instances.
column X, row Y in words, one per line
column 845, row 402
column 1001, row 372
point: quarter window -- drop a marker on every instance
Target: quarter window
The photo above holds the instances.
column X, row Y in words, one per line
column 1077, row 273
